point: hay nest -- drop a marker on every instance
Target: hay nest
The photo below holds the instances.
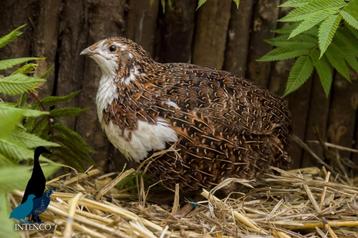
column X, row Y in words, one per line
column 298, row 203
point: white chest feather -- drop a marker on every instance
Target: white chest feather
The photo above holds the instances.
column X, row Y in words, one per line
column 106, row 93
column 147, row 137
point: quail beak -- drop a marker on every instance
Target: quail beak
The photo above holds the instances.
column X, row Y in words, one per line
column 87, row 52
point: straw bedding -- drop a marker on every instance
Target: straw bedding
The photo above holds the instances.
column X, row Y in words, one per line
column 309, row 202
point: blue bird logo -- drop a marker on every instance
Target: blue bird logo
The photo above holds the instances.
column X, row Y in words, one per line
column 24, row 209
column 35, row 201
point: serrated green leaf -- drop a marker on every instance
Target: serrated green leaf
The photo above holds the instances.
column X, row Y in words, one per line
column 286, row 29
column 337, row 60
column 237, row 2
column 353, row 62
column 4, row 161
column 19, row 83
column 26, row 69
column 324, row 71
column 353, row 31
column 6, row 39
column 283, row 54
column 7, row 225
column 72, row 145
column 14, row 151
column 27, row 140
column 24, row 111
column 200, row 3
column 326, row 32
column 70, row 158
column 66, row 111
column 309, row 22
column 346, row 41
column 9, row 120
column 349, row 19
column 71, row 134
column 295, row 3
column 16, row 177
column 292, row 43
column 9, row 63
column 52, row 100
column 300, row 72
column 314, row 6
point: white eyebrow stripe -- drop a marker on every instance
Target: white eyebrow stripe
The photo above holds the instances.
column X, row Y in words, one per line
column 121, row 46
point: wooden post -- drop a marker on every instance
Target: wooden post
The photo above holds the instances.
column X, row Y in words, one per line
column 265, row 17
column 176, row 32
column 238, row 37
column 210, row 34
column 142, row 19
column 46, row 38
column 316, row 120
column 342, row 115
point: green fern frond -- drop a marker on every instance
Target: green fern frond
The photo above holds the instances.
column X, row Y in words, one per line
column 16, row 177
column 309, row 10
column 6, row 39
column 352, row 62
column 24, row 111
column 346, row 42
column 324, row 71
column 66, row 111
column 26, row 69
column 4, row 161
column 295, row 3
column 283, row 54
column 9, row 63
column 73, row 141
column 304, row 41
column 53, row 100
column 7, row 225
column 19, row 83
column 300, row 72
column 353, row 22
column 310, row 22
column 200, row 3
column 237, row 2
column 337, row 60
column 9, row 120
column 326, row 32
column 14, row 151
column 27, row 140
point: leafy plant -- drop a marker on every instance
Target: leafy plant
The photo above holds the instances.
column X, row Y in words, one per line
column 322, row 35
column 200, row 3
column 30, row 122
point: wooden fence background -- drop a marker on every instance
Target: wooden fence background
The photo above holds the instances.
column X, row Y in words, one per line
column 217, row 35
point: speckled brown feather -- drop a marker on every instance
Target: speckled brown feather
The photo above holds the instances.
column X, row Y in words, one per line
column 227, row 127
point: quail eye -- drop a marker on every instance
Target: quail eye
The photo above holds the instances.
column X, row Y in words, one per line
column 112, row 48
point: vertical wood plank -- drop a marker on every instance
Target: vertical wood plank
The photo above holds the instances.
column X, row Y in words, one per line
column 72, row 39
column 354, row 98
column 298, row 103
column 142, row 19
column 45, row 40
column 237, row 46
column 99, row 26
column 317, row 120
column 342, row 114
column 210, row 35
column 265, row 17
column 176, row 32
